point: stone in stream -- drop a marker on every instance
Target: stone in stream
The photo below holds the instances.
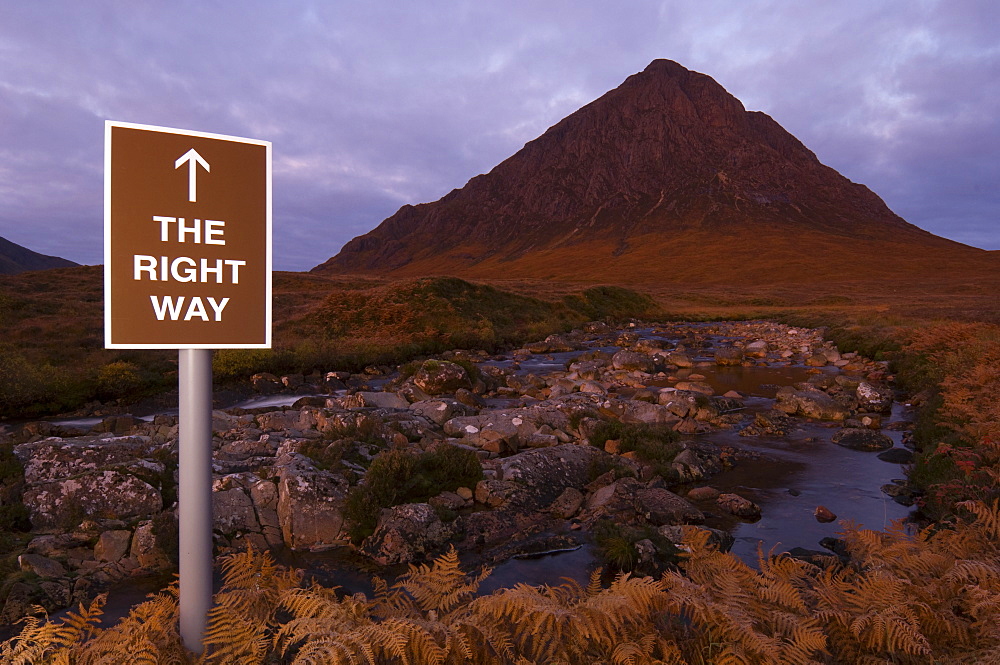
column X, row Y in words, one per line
column 896, row 456
column 440, row 376
column 717, row 537
column 862, row 439
column 824, row 514
column 729, row 355
column 874, row 397
column 739, row 506
column 809, row 403
column 680, row 360
column 703, row 494
column 633, row 360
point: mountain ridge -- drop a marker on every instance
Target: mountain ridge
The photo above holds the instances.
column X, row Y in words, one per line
column 16, row 259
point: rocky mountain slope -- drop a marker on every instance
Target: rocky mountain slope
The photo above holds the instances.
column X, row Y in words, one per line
column 666, row 177
column 15, row 259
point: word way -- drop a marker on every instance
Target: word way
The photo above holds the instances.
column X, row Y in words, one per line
column 196, row 308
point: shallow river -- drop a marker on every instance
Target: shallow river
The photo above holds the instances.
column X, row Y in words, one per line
column 790, row 477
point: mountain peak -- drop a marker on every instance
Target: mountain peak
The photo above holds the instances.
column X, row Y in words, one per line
column 666, row 157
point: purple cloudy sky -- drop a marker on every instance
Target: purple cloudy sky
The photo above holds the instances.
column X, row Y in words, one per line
column 374, row 105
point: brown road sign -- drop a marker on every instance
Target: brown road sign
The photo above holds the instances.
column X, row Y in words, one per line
column 187, row 239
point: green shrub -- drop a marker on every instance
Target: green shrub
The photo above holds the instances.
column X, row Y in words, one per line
column 615, row 545
column 400, row 476
column 652, row 443
column 118, row 379
column 601, row 465
column 241, row 364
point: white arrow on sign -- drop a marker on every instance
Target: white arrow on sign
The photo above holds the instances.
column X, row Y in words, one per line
column 193, row 159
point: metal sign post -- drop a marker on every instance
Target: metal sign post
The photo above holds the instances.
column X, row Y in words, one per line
column 195, row 493
column 187, row 266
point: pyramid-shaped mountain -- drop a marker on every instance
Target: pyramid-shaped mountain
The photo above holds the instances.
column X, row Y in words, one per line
column 666, row 177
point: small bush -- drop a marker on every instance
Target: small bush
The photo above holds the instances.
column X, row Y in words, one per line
column 399, row 476
column 601, row 465
column 652, row 443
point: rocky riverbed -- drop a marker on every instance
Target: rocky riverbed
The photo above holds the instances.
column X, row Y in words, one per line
column 102, row 502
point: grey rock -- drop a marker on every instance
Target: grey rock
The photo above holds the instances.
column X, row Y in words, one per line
column 739, row 506
column 729, row 355
column 310, row 504
column 874, row 397
column 809, row 403
column 112, row 545
column 633, row 360
column 41, row 566
column 406, row 533
column 567, row 504
column 862, row 439
column 147, row 548
column 440, row 376
column 660, row 506
column 232, row 512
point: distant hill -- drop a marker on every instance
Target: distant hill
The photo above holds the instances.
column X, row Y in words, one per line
column 15, row 259
column 666, row 178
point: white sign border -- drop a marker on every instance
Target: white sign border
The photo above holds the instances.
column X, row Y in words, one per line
column 108, row 125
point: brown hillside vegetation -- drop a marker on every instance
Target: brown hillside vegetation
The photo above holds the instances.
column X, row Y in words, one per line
column 667, row 178
column 52, row 357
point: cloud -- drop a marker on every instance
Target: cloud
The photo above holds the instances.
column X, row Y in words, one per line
column 373, row 106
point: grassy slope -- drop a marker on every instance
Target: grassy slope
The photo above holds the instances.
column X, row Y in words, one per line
column 52, row 357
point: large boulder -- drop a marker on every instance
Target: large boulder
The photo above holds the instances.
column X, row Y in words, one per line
column 58, row 459
column 310, row 503
column 105, row 494
column 436, row 377
column 546, row 472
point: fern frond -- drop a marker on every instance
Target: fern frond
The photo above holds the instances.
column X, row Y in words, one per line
column 441, row 585
column 987, row 516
